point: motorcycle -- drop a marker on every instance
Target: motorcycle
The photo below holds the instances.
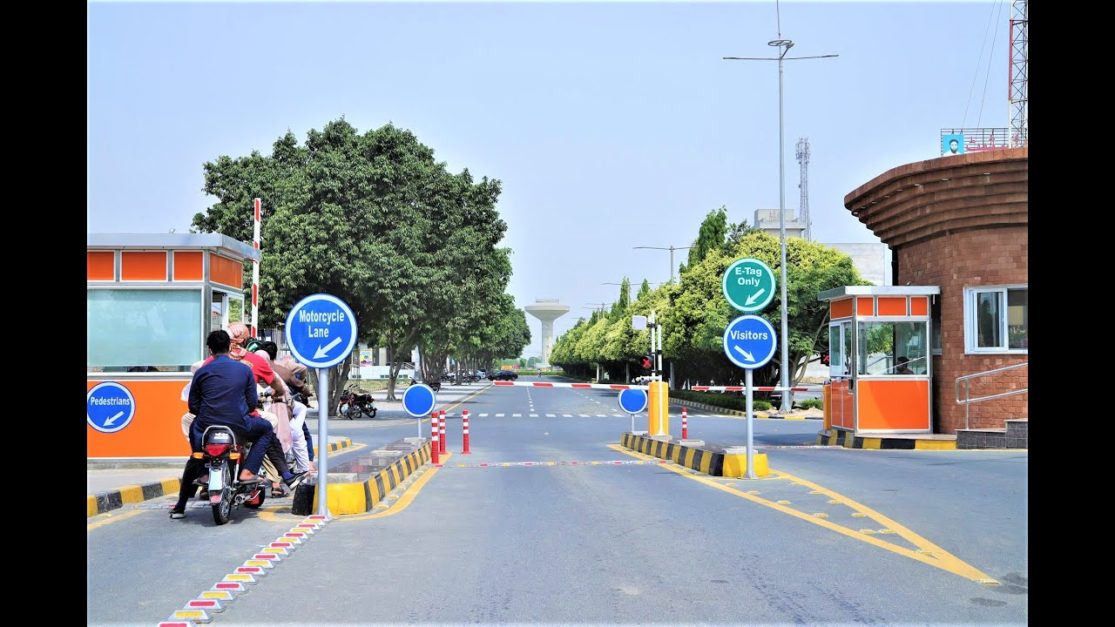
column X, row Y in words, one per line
column 224, row 457
column 355, row 402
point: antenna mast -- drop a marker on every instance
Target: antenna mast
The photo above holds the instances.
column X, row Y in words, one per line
column 803, row 158
column 1019, row 72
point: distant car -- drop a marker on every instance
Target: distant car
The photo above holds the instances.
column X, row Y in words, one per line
column 503, row 375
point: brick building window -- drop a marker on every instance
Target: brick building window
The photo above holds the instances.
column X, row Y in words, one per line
column 996, row 319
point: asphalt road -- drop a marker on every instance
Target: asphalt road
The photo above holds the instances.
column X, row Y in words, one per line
column 607, row 543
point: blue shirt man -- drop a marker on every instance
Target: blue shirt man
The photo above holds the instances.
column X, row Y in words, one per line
column 222, row 392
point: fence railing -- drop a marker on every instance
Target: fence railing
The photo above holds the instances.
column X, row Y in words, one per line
column 966, row 381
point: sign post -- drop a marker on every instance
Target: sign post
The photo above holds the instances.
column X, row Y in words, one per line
column 749, row 341
column 418, row 400
column 321, row 332
column 632, row 401
column 748, row 285
column 109, row 407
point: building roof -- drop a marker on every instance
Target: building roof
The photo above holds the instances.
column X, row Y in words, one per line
column 215, row 241
column 879, row 290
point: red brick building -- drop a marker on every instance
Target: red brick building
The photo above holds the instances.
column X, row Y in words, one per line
column 961, row 223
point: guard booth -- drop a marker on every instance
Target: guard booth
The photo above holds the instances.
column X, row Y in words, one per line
column 151, row 299
column 879, row 359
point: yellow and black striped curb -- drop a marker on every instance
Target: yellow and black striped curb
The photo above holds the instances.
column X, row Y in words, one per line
column 759, row 415
column 707, row 462
column 226, row 590
column 839, row 437
column 114, row 499
column 360, row 497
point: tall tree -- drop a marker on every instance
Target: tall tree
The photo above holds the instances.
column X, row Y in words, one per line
column 373, row 219
column 713, row 231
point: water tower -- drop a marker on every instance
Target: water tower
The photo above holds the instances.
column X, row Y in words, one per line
column 547, row 310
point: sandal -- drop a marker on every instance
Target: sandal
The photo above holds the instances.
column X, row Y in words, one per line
column 279, row 492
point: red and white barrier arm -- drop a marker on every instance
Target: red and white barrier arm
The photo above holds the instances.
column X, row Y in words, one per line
column 578, row 386
column 743, row 388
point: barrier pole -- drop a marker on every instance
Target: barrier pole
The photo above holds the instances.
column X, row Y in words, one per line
column 464, row 433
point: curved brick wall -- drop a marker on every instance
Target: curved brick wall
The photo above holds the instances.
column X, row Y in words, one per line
column 957, row 222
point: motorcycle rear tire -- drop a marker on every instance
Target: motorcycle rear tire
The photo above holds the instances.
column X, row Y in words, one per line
column 222, row 510
column 373, row 412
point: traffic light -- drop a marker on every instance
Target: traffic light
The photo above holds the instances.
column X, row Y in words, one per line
column 825, row 358
column 648, row 363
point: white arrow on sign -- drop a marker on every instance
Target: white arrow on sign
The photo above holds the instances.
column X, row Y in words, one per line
column 746, row 355
column 323, row 350
column 754, row 297
column 120, row 414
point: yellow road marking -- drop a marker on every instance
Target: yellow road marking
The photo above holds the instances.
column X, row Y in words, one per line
column 115, row 517
column 935, row 556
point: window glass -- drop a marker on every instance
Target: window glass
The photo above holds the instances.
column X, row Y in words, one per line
column 130, row 330
column 988, row 319
column 836, row 356
column 892, row 348
column 1018, row 318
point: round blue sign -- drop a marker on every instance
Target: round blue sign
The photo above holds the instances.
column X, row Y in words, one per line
column 321, row 331
column 109, row 407
column 419, row 400
column 633, row 401
column 749, row 341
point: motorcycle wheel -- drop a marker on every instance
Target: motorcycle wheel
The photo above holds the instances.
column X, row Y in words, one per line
column 223, row 509
column 373, row 414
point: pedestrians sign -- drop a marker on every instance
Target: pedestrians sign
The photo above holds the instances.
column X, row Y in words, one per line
column 419, row 400
column 748, row 285
column 321, row 331
column 633, row 401
column 109, row 407
column 749, row 342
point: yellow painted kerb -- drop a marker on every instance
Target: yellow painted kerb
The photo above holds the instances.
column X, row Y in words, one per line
column 131, row 494
column 735, row 465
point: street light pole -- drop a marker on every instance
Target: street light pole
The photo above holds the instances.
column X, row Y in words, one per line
column 783, row 46
column 671, row 248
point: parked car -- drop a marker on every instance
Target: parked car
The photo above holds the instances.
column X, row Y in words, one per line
column 503, row 375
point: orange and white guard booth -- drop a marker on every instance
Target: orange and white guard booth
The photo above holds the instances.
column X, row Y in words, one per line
column 151, row 299
column 879, row 359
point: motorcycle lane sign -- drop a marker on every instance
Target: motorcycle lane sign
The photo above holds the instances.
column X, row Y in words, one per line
column 321, row 331
column 109, row 407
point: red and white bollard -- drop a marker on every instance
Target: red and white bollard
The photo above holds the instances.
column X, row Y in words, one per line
column 684, row 423
column 433, row 439
column 441, row 428
column 464, row 432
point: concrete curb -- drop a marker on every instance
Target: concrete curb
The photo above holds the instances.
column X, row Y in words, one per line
column 114, row 499
column 701, row 460
column 836, row 437
column 759, row 415
column 362, row 496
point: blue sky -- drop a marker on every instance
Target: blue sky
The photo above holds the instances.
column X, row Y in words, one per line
column 610, row 125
